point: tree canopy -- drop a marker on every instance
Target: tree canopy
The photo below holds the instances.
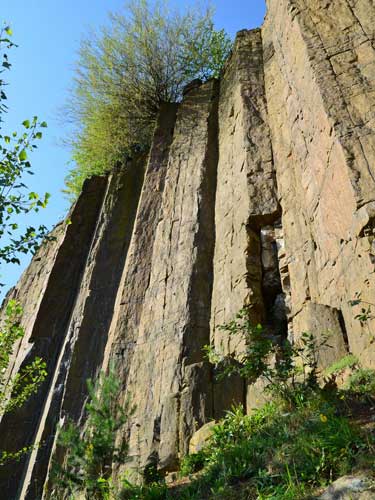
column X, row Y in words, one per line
column 144, row 57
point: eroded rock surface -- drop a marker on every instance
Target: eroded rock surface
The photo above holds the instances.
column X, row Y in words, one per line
column 258, row 191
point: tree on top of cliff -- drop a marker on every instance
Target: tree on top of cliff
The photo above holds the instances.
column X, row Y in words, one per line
column 123, row 74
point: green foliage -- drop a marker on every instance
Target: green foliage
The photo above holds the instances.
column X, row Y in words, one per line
column 124, row 72
column 348, row 361
column 89, row 455
column 15, row 199
column 153, row 491
column 193, row 463
column 362, row 381
column 301, row 440
column 365, row 315
column 278, row 453
column 16, row 390
column 290, row 371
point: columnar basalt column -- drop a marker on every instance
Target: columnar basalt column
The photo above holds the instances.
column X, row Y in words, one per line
column 19, row 428
column 320, row 73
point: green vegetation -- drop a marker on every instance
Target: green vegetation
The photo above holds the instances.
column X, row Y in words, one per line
column 89, row 455
column 16, row 201
column 279, row 454
column 124, row 73
column 348, row 361
column 305, row 438
column 290, row 371
column 15, row 390
column 362, row 381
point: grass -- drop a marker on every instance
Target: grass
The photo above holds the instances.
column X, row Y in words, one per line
column 349, row 361
column 280, row 455
column 273, row 454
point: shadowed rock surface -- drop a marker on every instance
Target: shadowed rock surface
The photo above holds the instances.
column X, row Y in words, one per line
column 258, row 190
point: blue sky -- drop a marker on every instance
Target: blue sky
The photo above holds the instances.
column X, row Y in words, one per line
column 48, row 34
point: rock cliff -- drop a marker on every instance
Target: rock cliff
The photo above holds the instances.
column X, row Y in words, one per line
column 258, row 190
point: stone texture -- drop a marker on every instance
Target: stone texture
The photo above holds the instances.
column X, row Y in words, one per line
column 319, row 74
column 29, row 292
column 324, row 322
column 201, row 438
column 49, row 329
column 350, row 488
column 246, row 197
column 164, row 347
column 258, row 191
column 87, row 333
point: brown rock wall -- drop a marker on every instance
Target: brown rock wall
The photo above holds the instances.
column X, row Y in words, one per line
column 246, row 195
column 87, row 333
column 29, row 292
column 154, row 261
column 174, row 321
column 320, row 95
column 48, row 335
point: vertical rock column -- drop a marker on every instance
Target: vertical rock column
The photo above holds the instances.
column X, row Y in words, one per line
column 29, row 293
column 163, row 318
column 87, row 333
column 246, row 198
column 49, row 330
column 320, row 73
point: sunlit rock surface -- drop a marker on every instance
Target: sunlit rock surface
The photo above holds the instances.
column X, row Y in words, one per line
column 258, row 191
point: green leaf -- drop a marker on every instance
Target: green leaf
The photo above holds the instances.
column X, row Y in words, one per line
column 7, row 139
column 38, row 135
column 26, row 123
column 8, row 31
column 44, row 124
column 22, row 156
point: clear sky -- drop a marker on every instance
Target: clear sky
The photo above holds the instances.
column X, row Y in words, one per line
column 48, row 34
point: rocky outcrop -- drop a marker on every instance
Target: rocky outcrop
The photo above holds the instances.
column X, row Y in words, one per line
column 319, row 74
column 258, row 191
column 350, row 488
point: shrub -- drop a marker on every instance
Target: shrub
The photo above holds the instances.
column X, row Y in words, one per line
column 362, row 381
column 290, row 371
column 154, row 491
column 279, row 453
column 16, row 390
column 89, row 455
column 123, row 74
column 193, row 463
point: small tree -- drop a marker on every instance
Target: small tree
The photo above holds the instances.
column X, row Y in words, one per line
column 89, row 454
column 124, row 72
column 291, row 372
column 15, row 201
column 15, row 390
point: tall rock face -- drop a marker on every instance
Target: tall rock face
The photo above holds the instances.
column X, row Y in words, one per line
column 258, row 191
column 319, row 77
